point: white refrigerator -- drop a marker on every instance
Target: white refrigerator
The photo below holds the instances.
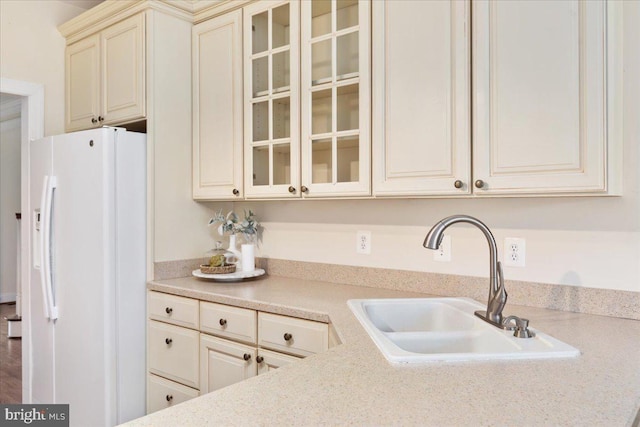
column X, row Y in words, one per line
column 87, row 247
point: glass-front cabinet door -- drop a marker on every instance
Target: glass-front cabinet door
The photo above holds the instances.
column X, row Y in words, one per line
column 271, row 99
column 335, row 97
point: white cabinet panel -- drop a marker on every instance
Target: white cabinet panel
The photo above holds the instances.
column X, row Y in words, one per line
column 217, row 108
column 270, row 360
column 539, row 96
column 173, row 353
column 82, row 81
column 421, row 88
column 173, row 309
column 123, row 70
column 236, row 323
column 162, row 393
column 223, row 363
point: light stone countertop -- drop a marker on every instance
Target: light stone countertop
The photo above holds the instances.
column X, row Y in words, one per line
column 352, row 383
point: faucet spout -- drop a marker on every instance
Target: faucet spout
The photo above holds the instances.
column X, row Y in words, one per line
column 497, row 293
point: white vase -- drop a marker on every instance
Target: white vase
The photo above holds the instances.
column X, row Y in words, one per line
column 237, row 255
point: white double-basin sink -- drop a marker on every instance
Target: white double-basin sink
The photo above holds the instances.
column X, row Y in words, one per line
column 445, row 329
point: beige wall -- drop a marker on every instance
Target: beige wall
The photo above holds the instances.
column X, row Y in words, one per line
column 32, row 50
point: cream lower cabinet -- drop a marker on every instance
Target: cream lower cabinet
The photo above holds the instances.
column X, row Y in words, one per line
column 195, row 347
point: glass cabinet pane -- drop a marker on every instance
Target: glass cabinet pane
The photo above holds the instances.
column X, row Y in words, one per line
column 321, row 62
column 321, row 111
column 260, row 33
column 261, row 165
column 261, row 121
column 281, row 118
column 347, row 55
column 280, row 26
column 281, row 164
column 348, row 159
column 348, row 113
column 320, row 17
column 281, row 72
column 321, row 171
column 346, row 14
column 260, row 79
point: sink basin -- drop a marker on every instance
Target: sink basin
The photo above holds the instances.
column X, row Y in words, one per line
column 445, row 329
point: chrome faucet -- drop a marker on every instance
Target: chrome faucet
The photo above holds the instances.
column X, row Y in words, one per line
column 497, row 293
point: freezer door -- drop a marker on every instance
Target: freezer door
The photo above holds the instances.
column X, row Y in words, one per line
column 84, row 274
column 41, row 355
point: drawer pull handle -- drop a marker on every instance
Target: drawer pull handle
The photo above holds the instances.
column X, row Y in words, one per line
column 479, row 183
column 168, row 310
column 223, row 322
column 168, row 341
column 235, row 191
column 288, row 336
column 458, row 184
column 169, row 398
column 246, row 356
column 259, row 359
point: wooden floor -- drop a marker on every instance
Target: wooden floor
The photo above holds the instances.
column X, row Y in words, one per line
column 10, row 360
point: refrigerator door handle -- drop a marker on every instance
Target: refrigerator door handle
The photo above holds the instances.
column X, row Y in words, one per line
column 51, row 184
column 43, row 232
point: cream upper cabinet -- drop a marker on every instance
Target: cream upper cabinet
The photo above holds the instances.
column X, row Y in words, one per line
column 540, row 96
column 105, row 76
column 540, row 87
column 82, row 84
column 421, row 99
column 335, row 98
column 271, row 99
column 217, row 108
column 307, row 106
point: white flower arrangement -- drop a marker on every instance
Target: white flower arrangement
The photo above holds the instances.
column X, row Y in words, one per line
column 231, row 223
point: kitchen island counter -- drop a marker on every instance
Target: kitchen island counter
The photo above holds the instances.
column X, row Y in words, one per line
column 352, row 383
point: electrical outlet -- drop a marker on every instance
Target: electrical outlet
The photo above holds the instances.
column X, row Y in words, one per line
column 514, row 252
column 443, row 254
column 363, row 242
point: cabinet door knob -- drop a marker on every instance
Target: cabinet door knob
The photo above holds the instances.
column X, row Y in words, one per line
column 304, row 189
column 168, row 310
column 246, row 356
column 94, row 120
column 259, row 359
column 292, row 189
column 168, row 341
column 100, row 118
column 458, row 183
column 287, row 336
column 169, row 398
column 479, row 183
column 223, row 322
column 236, row 191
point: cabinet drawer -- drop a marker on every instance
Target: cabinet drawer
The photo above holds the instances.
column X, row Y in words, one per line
column 229, row 322
column 168, row 308
column 162, row 393
column 290, row 335
column 173, row 353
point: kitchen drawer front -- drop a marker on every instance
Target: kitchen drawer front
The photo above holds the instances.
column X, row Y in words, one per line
column 291, row 335
column 162, row 393
column 173, row 353
column 236, row 323
column 173, row 309
column 269, row 360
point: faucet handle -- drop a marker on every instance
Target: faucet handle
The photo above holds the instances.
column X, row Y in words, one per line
column 522, row 327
